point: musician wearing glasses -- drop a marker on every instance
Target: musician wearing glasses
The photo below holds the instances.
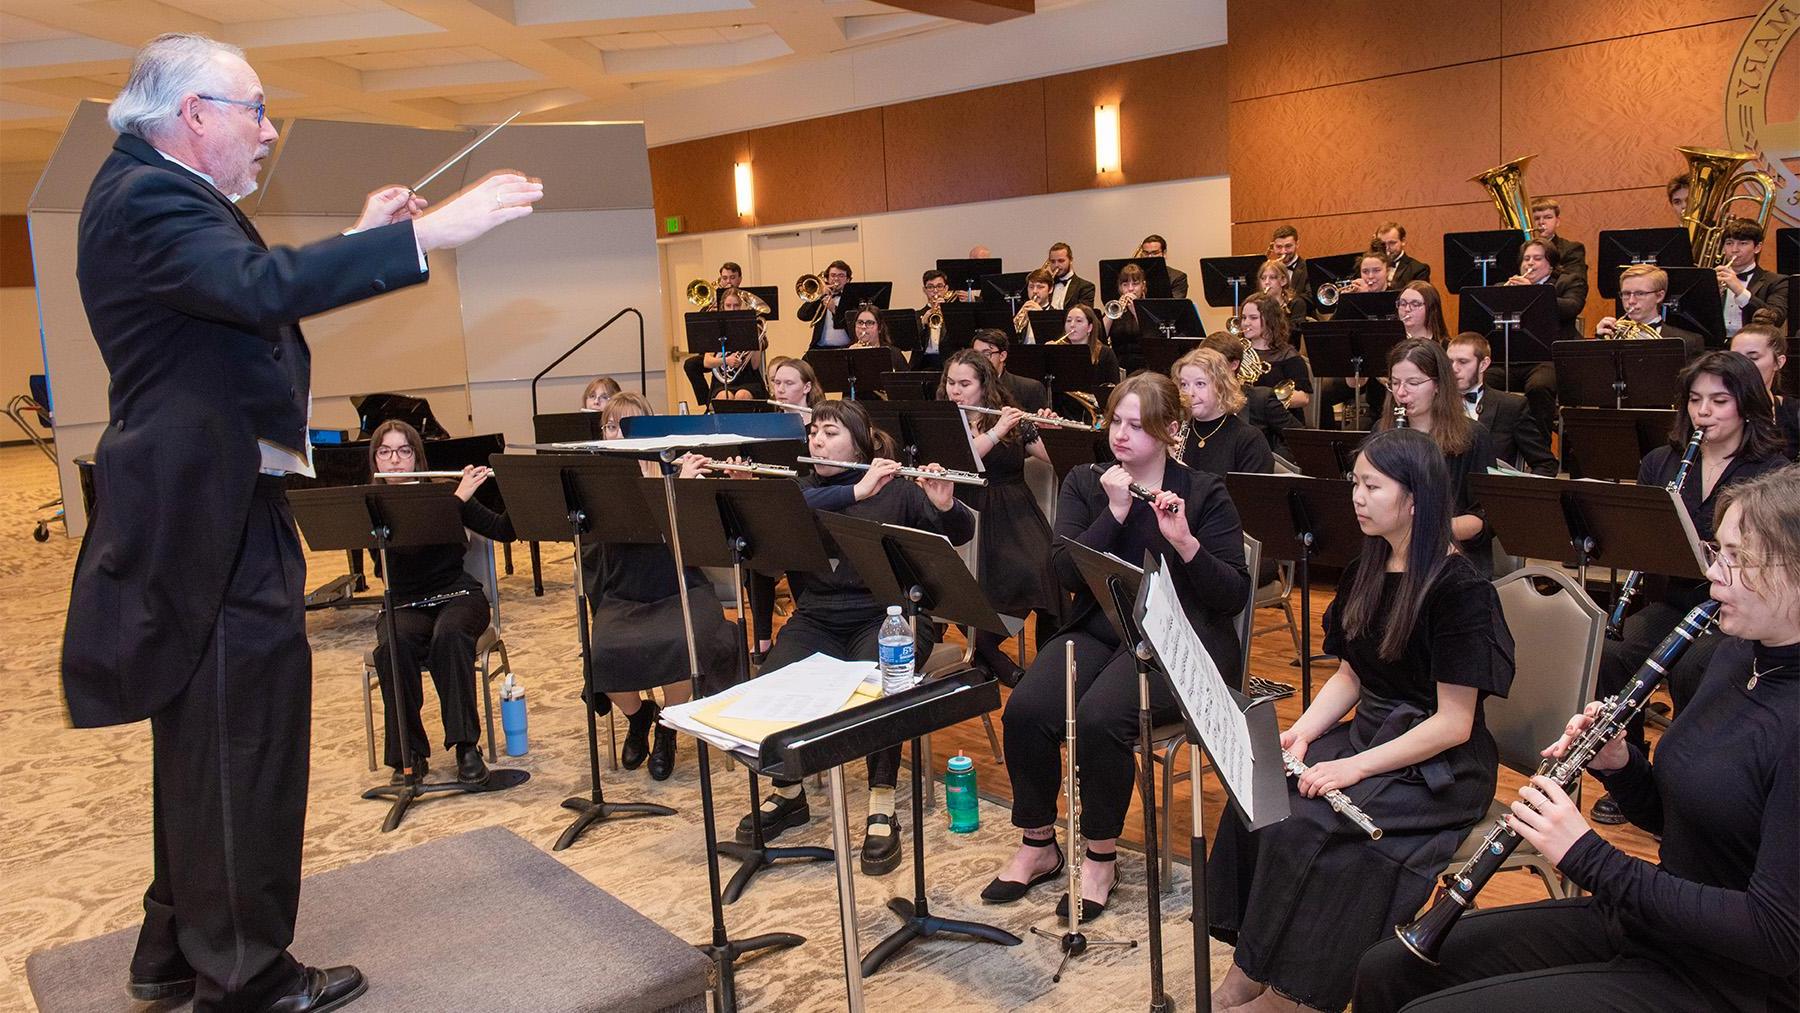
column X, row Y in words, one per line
column 1398, row 728
column 1766, row 349
column 1422, row 383
column 1262, row 409
column 1066, row 287
column 871, row 331
column 1546, row 219
column 1724, row 396
column 600, row 390
column 1157, row 246
column 1750, row 294
column 1027, row 393
column 791, row 382
column 1642, row 288
column 1403, row 267
column 936, row 285
column 1421, row 311
column 1714, row 922
column 822, row 313
column 1517, row 439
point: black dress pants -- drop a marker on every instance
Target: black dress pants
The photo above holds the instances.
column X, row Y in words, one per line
column 1620, row 660
column 442, row 637
column 1553, row 955
column 229, row 775
column 1536, row 380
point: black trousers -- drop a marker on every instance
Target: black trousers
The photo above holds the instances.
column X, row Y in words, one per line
column 699, row 378
column 805, row 635
column 762, row 605
column 1620, row 659
column 1536, row 380
column 443, row 638
column 1553, row 955
column 990, row 654
column 229, row 775
column 1106, row 730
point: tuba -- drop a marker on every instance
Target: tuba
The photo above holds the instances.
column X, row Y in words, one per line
column 1713, row 179
column 1506, row 185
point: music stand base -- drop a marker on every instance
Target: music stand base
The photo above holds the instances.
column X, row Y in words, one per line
column 1074, row 944
column 404, row 795
column 593, row 812
column 724, row 957
column 920, row 923
column 754, row 860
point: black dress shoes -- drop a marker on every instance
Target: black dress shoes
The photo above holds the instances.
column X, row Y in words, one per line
column 777, row 815
column 881, row 852
column 322, row 990
column 1005, row 891
column 470, row 767
column 637, row 735
column 419, row 765
column 1607, row 811
column 662, row 755
column 160, row 986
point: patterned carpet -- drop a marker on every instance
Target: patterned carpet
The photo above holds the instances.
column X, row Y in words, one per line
column 75, row 833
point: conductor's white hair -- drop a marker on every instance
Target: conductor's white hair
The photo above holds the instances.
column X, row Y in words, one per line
column 167, row 68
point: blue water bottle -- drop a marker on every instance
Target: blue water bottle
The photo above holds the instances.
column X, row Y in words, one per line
column 512, row 716
column 959, row 795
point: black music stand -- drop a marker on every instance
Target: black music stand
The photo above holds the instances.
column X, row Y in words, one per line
column 875, row 293
column 1480, row 259
column 1047, row 325
column 1367, row 306
column 580, row 498
column 1520, row 319
column 739, row 523
column 849, row 370
column 1172, row 318
column 1634, row 373
column 1621, row 248
column 963, row 319
column 921, row 572
column 908, row 384
column 1057, row 367
column 1228, row 281
column 1787, row 257
column 1156, row 277
column 770, row 295
column 377, row 518
column 716, row 332
column 1161, row 354
column 1008, row 288
column 927, row 432
column 1623, row 527
column 1350, row 349
column 903, row 329
column 1323, row 453
column 559, row 427
column 374, row 409
column 965, row 275
column 1069, row 448
column 1694, row 304
column 1609, row 443
column 1315, row 512
column 1334, row 269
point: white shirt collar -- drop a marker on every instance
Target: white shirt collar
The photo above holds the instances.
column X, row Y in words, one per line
column 232, row 197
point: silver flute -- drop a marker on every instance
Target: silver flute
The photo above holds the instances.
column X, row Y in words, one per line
column 421, row 475
column 1036, row 420
column 958, row 477
column 783, row 405
column 1338, row 800
column 767, row 470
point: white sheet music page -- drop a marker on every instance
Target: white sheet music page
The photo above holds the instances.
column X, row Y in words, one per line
column 1224, row 730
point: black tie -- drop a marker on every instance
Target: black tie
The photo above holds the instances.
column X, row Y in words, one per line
column 1472, row 396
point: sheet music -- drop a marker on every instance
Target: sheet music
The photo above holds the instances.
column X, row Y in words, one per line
column 1195, row 677
column 803, row 691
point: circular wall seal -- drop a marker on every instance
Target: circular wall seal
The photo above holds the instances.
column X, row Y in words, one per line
column 1748, row 88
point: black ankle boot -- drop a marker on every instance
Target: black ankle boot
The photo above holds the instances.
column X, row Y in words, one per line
column 637, row 735
column 662, row 754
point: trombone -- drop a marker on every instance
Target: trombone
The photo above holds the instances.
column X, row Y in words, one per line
column 1036, row 420
column 958, row 477
column 700, row 293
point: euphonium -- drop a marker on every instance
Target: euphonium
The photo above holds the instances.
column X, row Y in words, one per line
column 1456, row 894
column 699, row 294
column 1713, row 178
column 1506, row 185
column 1615, row 620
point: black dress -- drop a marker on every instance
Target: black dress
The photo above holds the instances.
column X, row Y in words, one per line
column 1473, row 461
column 1225, row 444
column 1301, row 899
column 1125, row 336
column 1287, row 364
column 1787, row 418
column 1014, row 556
column 638, row 639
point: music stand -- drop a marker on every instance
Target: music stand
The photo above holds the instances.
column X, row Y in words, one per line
column 1352, row 349
column 1227, row 281
column 909, row 384
column 1008, row 288
column 903, row 329
column 1174, row 318
column 557, row 427
column 1694, row 304
column 1480, row 259
column 921, row 572
column 965, row 275
column 1057, row 367
column 1315, row 512
column 1520, row 319
column 770, row 295
column 1047, row 325
column 1367, row 306
column 1323, row 453
column 963, row 319
column 1161, row 354
column 1634, row 373
column 1623, row 527
column 377, row 518
column 1334, row 269
column 875, row 293
column 717, row 332
column 1621, row 248
column 374, row 409
column 1156, row 277
column 1609, row 443
column 849, row 370
column 927, row 432
column 1069, row 448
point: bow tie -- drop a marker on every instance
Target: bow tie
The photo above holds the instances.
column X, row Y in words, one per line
column 1472, row 396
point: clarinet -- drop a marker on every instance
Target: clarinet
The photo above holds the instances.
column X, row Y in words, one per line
column 1615, row 623
column 1456, row 894
column 1400, row 417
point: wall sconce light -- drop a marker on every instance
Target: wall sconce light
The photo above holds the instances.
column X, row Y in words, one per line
column 746, row 194
column 1106, row 138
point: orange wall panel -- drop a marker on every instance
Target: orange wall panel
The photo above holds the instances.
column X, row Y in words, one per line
column 1530, row 25
column 823, row 168
column 15, row 253
column 693, row 179
column 986, row 144
column 1286, row 48
column 1172, row 112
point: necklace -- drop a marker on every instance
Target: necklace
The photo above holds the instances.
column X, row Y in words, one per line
column 1200, row 441
column 1757, row 673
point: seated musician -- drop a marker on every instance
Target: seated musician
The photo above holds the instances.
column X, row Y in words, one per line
column 1284, row 249
column 1037, row 297
column 1085, row 326
column 440, row 611
column 1372, row 271
column 791, row 382
column 1766, row 349
column 936, row 285
column 1027, row 393
column 1272, row 278
column 1124, row 331
column 1371, row 276
column 1713, row 922
column 1642, row 288
column 735, row 375
column 1546, row 220
column 1420, row 641
column 1216, row 440
column 1677, row 191
column 871, row 331
column 1157, row 246
column 1421, row 311
column 1263, row 322
column 1262, row 407
column 600, row 390
column 730, row 276
column 1749, row 292
column 1540, row 264
column 1066, row 287
column 835, row 613
column 1725, row 396
column 1517, row 439
column 1421, row 381
column 1403, row 267
column 1194, row 529
column 822, row 312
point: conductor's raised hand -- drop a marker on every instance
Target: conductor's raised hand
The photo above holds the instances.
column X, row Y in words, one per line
column 498, row 198
column 390, row 204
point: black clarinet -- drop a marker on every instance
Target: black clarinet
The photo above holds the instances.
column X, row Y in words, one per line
column 1456, row 894
column 1615, row 623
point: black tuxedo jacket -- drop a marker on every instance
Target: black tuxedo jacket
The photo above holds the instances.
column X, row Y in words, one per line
column 1178, row 284
column 812, row 313
column 196, row 320
column 1029, row 393
column 1517, row 436
column 1080, row 291
column 1572, row 256
column 1768, row 291
column 1409, row 269
column 1298, row 288
column 1571, row 299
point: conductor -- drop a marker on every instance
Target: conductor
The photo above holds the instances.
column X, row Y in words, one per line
column 187, row 601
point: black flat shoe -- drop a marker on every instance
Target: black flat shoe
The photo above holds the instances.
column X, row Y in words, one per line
column 470, row 767
column 324, row 989
column 419, row 765
column 881, row 852
column 1010, row 678
column 1607, row 811
column 662, row 754
column 1005, row 891
column 778, row 814
column 161, row 986
column 1090, row 910
column 637, row 735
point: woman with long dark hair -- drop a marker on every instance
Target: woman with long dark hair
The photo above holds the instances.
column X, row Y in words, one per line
column 1125, row 332
column 791, row 382
column 1422, row 383
column 1421, row 312
column 1263, row 321
column 869, row 330
column 1714, row 922
column 1766, row 349
column 1420, row 642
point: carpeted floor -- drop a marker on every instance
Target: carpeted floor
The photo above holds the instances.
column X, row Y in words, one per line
column 75, row 836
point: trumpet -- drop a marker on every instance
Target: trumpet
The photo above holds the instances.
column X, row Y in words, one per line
column 1337, row 799
column 1117, row 307
column 1328, row 293
column 1036, row 420
column 766, row 470
column 958, row 477
column 934, row 316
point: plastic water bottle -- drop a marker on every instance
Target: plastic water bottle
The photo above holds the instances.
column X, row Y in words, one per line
column 896, row 653
column 959, row 795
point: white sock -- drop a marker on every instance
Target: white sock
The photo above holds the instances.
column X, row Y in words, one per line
column 881, row 803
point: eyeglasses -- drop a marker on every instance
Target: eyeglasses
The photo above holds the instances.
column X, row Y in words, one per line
column 392, row 453
column 860, row 324
column 256, row 107
column 992, row 353
column 1728, row 563
column 1410, row 304
column 1413, row 384
column 1629, row 294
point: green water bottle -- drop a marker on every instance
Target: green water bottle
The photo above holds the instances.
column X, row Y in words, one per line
column 959, row 795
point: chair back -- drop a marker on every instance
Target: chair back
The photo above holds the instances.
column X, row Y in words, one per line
column 1557, row 634
column 1040, row 478
column 1311, row 411
column 1283, row 466
column 1246, row 620
column 478, row 562
column 970, row 551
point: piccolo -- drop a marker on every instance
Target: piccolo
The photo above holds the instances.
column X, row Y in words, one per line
column 1337, row 799
column 958, row 477
column 1036, row 420
column 1137, row 491
column 418, row 474
column 784, row 406
column 767, row 470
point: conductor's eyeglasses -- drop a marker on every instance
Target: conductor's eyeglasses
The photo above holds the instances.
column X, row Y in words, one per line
column 256, row 107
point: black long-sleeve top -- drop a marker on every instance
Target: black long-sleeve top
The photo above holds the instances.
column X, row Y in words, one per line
column 1213, row 586
column 1231, row 445
column 1474, row 461
column 1724, row 901
column 841, row 593
column 1264, row 413
column 1658, row 468
column 1288, row 364
column 420, row 571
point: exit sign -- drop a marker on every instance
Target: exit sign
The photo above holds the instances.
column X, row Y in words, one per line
column 673, row 224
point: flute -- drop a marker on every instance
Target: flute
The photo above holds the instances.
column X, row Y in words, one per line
column 768, row 470
column 418, row 474
column 958, row 477
column 1036, row 420
column 783, row 405
column 1338, row 800
column 1137, row 491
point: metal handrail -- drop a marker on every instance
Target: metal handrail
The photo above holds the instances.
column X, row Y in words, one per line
column 643, row 360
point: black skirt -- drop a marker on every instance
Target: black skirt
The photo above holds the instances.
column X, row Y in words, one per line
column 1013, row 560
column 638, row 639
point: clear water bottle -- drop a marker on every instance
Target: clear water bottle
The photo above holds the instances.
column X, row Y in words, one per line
column 959, row 795
column 895, row 653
